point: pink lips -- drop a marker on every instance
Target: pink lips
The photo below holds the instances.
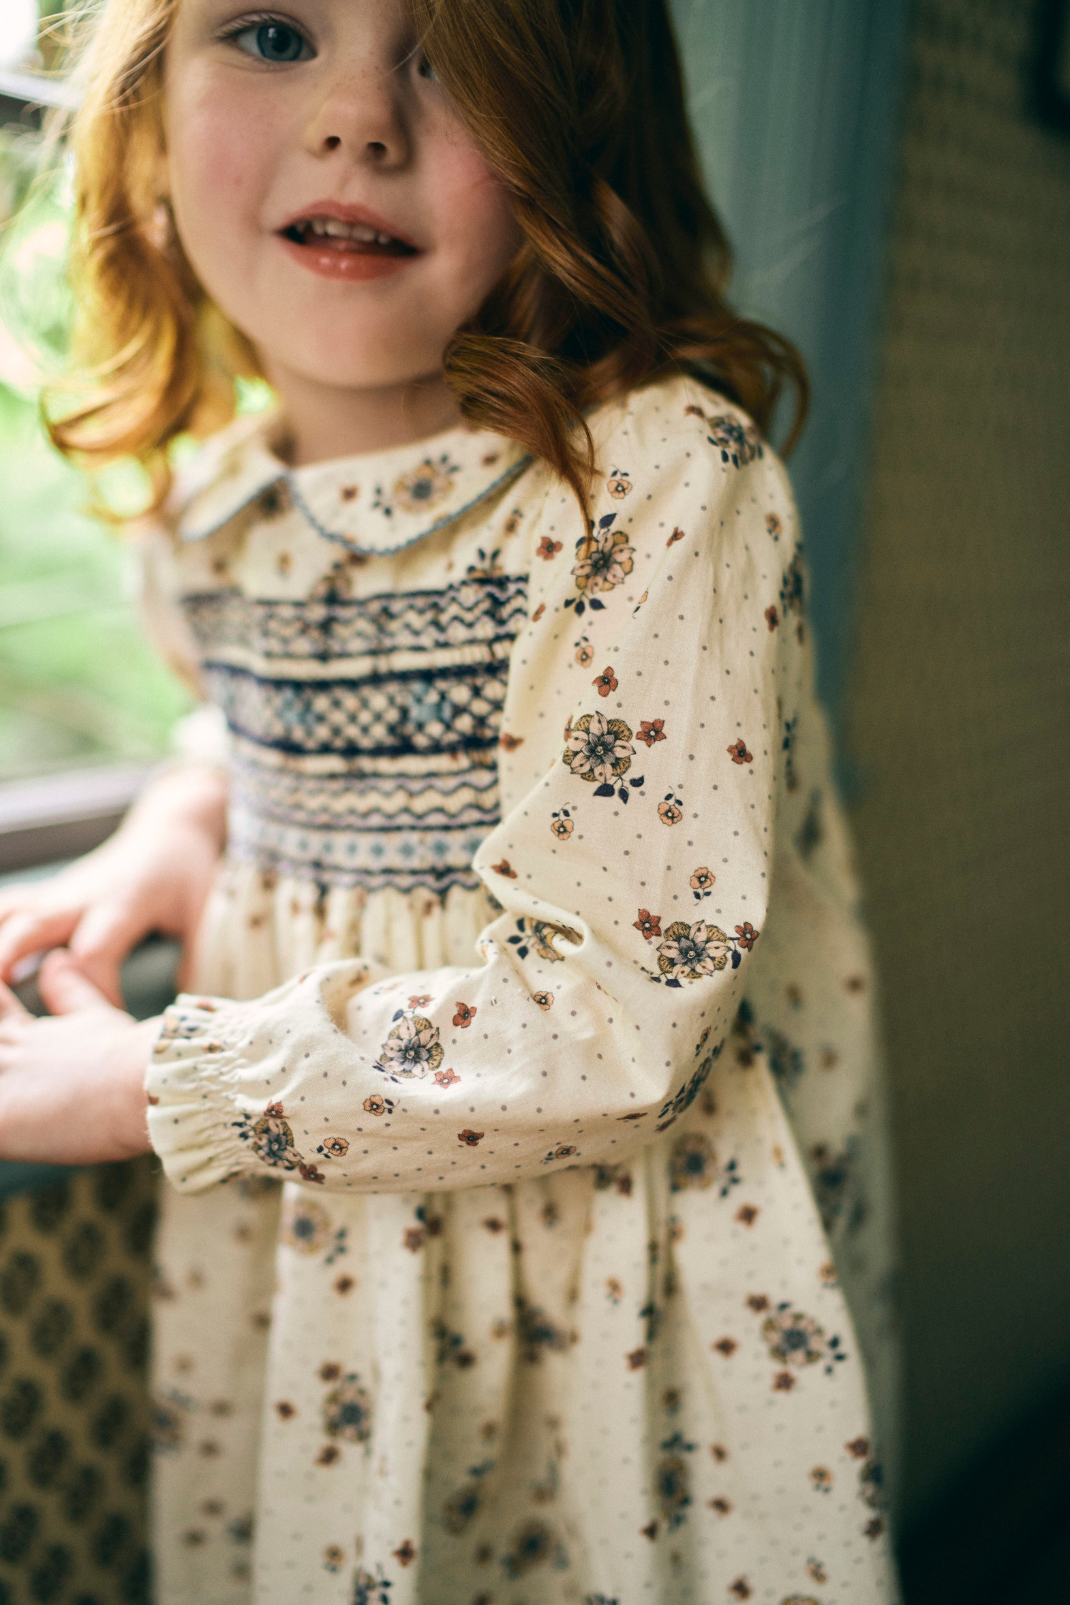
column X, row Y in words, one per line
column 342, row 257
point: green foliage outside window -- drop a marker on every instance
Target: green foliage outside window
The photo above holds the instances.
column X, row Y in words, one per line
column 78, row 683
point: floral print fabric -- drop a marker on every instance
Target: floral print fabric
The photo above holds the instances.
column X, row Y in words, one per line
column 578, row 1140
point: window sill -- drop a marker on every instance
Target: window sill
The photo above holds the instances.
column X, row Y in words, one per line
column 65, row 815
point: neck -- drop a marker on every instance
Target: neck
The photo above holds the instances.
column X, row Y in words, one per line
column 327, row 421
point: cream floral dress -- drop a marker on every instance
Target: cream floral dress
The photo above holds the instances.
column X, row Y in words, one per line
column 525, row 1144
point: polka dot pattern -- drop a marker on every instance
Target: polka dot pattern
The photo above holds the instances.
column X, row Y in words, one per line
column 519, row 1227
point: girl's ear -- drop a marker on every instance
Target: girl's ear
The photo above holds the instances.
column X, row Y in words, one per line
column 161, row 231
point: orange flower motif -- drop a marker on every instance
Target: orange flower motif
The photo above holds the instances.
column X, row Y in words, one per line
column 605, row 682
column 741, row 1588
column 738, row 752
column 723, row 1507
column 446, row 1078
column 783, row 1382
column 651, row 730
column 538, row 613
column 470, row 1137
column 545, row 1000
column 747, row 935
column 636, row 1359
column 858, row 1448
column 547, row 549
column 726, row 1346
column 405, row 1553
column 504, row 868
column 466, row 1013
column 772, row 617
column 746, row 1214
column 649, row 924
column 413, row 1239
column 757, row 1302
column 677, row 535
column 510, row 743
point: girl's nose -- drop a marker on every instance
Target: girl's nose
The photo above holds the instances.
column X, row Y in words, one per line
column 362, row 117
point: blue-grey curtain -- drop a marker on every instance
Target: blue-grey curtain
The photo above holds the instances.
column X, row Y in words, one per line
column 794, row 104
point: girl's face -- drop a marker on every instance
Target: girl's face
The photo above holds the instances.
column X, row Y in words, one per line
column 327, row 196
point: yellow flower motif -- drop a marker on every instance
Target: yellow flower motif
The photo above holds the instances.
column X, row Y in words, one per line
column 691, row 951
column 411, row 1049
column 604, row 561
column 597, row 748
column 306, row 1227
column 692, row 1163
column 425, row 485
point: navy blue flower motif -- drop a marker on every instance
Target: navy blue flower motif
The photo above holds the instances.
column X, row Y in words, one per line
column 738, row 443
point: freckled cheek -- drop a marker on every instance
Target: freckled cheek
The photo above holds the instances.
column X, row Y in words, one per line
column 220, row 163
column 474, row 219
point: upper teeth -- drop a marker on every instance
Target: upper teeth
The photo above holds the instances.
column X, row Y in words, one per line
column 347, row 231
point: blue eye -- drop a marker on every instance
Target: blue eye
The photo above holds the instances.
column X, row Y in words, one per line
column 274, row 41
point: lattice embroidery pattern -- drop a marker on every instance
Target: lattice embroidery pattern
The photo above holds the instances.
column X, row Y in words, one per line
column 439, row 710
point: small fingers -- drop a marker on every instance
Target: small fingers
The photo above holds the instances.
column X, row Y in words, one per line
column 104, row 937
column 64, row 988
column 30, row 932
column 12, row 1012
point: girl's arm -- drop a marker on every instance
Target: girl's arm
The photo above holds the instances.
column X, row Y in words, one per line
column 154, row 874
column 640, row 773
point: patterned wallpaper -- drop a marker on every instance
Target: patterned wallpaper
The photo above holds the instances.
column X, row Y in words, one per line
column 957, row 725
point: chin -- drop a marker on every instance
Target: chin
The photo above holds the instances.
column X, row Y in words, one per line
column 338, row 371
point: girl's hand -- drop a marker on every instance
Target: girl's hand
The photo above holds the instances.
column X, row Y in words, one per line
column 154, row 874
column 72, row 1086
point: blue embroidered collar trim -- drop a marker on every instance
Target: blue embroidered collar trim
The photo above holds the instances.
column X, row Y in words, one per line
column 373, row 504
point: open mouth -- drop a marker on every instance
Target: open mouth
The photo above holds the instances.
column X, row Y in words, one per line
column 347, row 239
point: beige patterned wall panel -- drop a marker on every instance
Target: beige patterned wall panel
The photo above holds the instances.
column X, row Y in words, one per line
column 959, row 729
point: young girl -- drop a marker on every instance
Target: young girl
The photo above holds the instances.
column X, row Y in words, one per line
column 523, row 1124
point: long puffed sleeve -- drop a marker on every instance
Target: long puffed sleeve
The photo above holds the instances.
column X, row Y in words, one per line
column 649, row 709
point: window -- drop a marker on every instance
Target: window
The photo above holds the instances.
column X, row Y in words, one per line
column 85, row 706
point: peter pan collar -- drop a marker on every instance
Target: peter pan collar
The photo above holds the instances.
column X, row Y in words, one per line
column 375, row 503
